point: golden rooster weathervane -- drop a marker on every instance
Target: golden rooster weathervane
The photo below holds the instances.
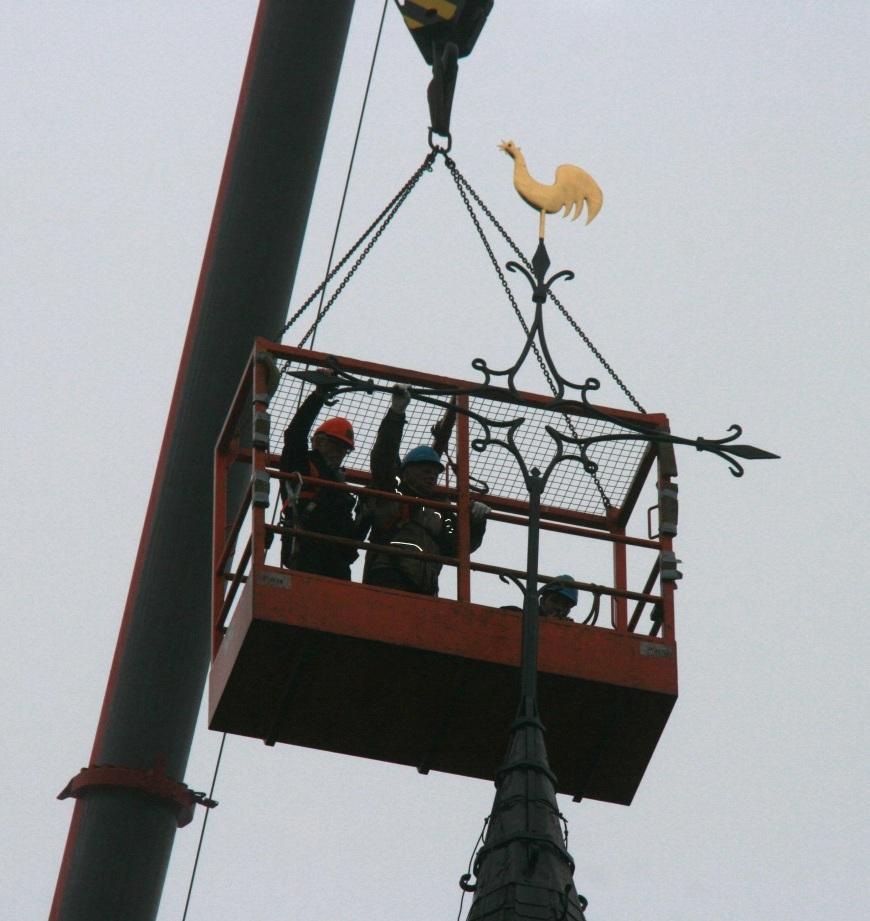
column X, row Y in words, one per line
column 573, row 188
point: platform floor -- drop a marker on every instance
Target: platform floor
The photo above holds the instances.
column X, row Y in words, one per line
column 434, row 684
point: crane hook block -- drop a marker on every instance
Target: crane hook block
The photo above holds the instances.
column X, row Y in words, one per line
column 434, row 23
column 444, row 30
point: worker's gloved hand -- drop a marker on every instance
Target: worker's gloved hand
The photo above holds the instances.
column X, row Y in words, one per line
column 401, row 399
column 479, row 512
column 325, row 389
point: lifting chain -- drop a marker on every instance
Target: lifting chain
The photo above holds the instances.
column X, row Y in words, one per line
column 377, row 227
column 373, row 233
column 462, row 183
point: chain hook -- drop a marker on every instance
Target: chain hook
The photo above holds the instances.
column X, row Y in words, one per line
column 440, row 148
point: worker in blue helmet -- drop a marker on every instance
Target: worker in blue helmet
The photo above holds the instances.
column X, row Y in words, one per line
column 414, row 528
column 557, row 598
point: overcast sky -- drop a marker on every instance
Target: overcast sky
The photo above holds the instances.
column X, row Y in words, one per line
column 726, row 279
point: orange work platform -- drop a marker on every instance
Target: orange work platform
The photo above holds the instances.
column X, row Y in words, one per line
column 433, row 682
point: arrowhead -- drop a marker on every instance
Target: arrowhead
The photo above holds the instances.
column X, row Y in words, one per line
column 751, row 453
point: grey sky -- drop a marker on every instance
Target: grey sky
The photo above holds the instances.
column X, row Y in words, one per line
column 726, row 279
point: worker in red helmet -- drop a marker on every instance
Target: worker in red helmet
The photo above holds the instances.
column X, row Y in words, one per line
column 415, row 528
column 312, row 507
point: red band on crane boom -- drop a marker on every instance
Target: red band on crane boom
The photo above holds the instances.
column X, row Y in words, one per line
column 154, row 782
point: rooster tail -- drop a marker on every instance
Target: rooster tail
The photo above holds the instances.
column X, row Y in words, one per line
column 594, row 201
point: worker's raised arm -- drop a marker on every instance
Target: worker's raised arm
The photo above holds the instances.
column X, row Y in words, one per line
column 443, row 429
column 384, row 458
column 295, row 452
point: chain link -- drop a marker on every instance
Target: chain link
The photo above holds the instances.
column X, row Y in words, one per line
column 459, row 178
column 462, row 185
column 607, row 367
column 341, row 285
column 383, row 219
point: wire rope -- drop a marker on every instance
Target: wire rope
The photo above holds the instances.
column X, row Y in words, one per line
column 467, row 876
column 204, row 823
column 350, row 168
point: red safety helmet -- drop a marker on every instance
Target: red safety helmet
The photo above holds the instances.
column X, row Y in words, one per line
column 339, row 428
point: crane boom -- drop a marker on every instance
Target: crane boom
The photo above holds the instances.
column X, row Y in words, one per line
column 122, row 831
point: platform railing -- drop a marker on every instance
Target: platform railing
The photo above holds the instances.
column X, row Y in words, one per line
column 237, row 555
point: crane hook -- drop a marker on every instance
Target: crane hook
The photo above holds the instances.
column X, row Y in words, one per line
column 445, row 68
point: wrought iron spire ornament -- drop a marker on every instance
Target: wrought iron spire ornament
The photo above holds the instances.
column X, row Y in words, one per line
column 523, row 869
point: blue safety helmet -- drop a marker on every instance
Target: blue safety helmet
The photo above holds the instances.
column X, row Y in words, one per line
column 422, row 454
column 558, row 587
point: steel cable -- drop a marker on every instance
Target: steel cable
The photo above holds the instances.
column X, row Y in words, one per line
column 350, row 167
column 467, row 876
column 204, row 823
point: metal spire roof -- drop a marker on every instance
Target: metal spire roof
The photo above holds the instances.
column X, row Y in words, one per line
column 524, row 870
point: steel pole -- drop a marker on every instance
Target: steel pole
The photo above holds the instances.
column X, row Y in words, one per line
column 529, row 666
column 120, row 838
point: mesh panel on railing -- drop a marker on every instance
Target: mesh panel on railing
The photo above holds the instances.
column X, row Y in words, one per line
column 569, row 487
